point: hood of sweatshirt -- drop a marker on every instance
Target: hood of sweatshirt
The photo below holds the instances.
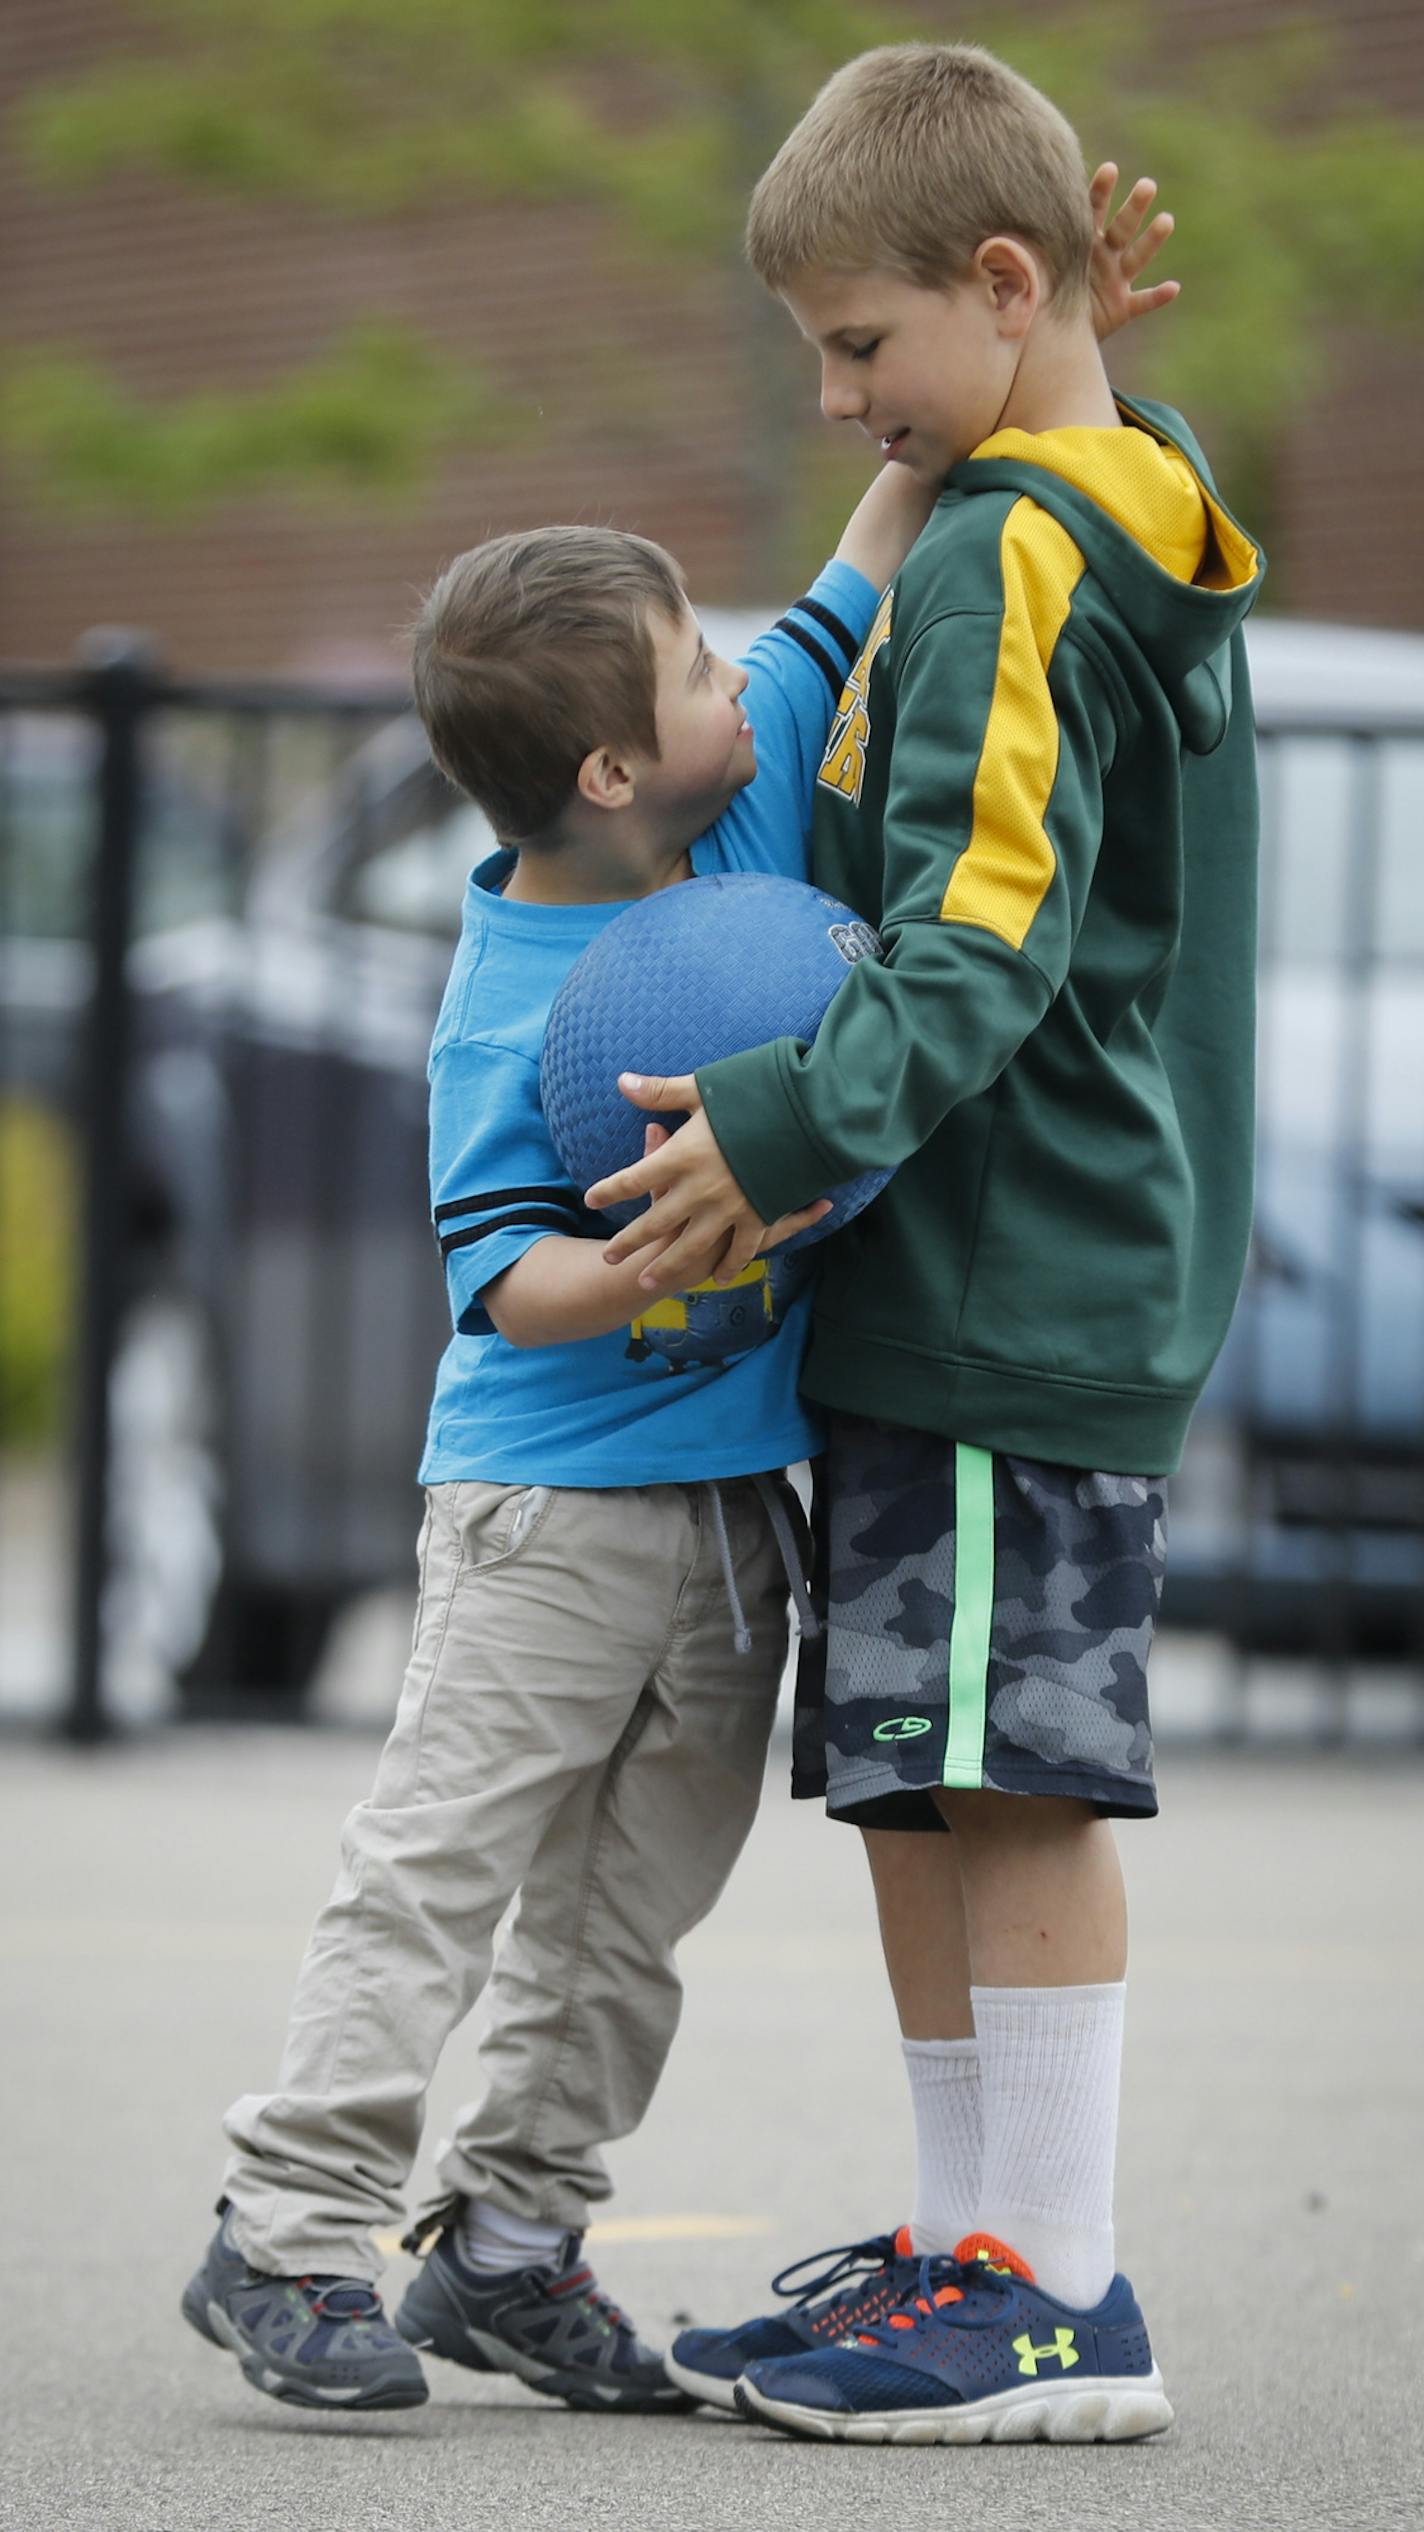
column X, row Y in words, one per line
column 1140, row 505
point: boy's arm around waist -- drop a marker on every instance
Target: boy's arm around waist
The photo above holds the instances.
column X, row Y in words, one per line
column 561, row 1291
column 992, row 822
column 513, row 1232
column 499, row 1192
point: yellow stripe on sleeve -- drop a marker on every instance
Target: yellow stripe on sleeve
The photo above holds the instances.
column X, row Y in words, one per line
column 1004, row 873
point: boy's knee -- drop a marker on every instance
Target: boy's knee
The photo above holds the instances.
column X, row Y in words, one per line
column 984, row 1817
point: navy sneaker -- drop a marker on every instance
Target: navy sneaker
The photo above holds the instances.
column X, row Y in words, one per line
column 320, row 2342
column 856, row 2287
column 975, row 2353
column 551, row 2325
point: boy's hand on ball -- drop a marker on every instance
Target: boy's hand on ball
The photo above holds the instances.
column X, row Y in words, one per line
column 698, row 1216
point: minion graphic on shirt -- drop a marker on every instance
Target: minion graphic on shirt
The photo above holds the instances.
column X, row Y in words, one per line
column 713, row 1324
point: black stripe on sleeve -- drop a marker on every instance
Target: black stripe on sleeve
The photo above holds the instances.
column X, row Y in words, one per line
column 834, row 677
column 533, row 1217
column 840, row 634
column 498, row 1196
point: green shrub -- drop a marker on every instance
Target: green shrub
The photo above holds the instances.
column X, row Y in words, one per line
column 38, row 1222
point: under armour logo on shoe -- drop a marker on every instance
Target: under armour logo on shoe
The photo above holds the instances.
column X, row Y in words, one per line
column 1030, row 2356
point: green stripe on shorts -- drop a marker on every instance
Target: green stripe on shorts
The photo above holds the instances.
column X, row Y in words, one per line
column 973, row 1616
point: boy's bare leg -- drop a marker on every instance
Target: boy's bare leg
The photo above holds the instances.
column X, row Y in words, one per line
column 920, row 1902
column 919, row 1899
column 1047, row 1940
column 1043, row 1895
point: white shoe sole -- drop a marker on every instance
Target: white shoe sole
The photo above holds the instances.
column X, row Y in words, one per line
column 713, row 2388
column 1110, row 2410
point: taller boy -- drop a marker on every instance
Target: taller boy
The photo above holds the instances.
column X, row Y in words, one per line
column 1040, row 785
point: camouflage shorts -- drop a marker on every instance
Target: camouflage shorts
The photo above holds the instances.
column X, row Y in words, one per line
column 988, row 1622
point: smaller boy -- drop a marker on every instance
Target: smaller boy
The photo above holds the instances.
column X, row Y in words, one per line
column 575, row 1726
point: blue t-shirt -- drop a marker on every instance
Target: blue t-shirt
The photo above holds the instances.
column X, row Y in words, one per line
column 704, row 1385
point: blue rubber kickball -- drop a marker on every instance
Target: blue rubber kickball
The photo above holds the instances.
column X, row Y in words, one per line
column 706, row 968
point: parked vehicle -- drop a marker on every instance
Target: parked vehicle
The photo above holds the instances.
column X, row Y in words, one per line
column 1298, row 1519
column 287, row 1309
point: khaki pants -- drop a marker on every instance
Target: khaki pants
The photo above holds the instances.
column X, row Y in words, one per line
column 576, row 1727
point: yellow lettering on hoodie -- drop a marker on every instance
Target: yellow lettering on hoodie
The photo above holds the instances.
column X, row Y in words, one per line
column 843, row 765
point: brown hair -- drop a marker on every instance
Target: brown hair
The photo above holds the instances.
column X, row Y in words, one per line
column 530, row 651
column 908, row 159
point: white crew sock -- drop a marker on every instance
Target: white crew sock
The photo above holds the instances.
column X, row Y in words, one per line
column 492, row 2239
column 949, row 2140
column 1050, row 2064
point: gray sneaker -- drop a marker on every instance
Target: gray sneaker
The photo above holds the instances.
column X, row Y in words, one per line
column 553, row 2326
column 322, row 2342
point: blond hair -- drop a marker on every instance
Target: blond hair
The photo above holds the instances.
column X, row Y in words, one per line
column 908, row 159
column 532, row 650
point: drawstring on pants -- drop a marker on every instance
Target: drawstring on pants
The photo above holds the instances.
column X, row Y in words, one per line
column 741, row 1632
column 785, row 1538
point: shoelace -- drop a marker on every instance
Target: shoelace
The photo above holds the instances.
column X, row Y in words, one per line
column 581, row 2281
column 613, row 2313
column 939, row 2281
column 849, row 2265
column 341, row 2298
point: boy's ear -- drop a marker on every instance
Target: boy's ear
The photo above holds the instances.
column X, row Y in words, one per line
column 604, row 781
column 1009, row 271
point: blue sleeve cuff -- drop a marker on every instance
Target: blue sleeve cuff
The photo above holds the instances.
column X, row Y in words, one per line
column 831, row 622
column 469, row 1272
column 840, row 585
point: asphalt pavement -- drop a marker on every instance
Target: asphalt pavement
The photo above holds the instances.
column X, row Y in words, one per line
column 153, row 1903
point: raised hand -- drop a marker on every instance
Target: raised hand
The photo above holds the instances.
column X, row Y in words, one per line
column 1123, row 248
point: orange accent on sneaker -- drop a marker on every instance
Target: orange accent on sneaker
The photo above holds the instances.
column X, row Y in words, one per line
column 949, row 2294
column 994, row 2254
column 898, row 2321
column 904, row 2243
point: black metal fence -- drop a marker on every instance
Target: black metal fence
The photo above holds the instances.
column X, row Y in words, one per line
column 226, row 913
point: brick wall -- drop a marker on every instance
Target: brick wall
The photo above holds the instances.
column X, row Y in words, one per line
column 178, row 290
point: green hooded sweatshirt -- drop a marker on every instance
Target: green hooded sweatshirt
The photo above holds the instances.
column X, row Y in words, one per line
column 1041, row 786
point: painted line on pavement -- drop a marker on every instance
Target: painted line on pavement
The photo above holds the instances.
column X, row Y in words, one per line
column 668, row 2228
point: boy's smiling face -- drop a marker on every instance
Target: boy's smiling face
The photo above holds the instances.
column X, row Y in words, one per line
column 926, row 373
column 633, row 817
column 705, row 741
